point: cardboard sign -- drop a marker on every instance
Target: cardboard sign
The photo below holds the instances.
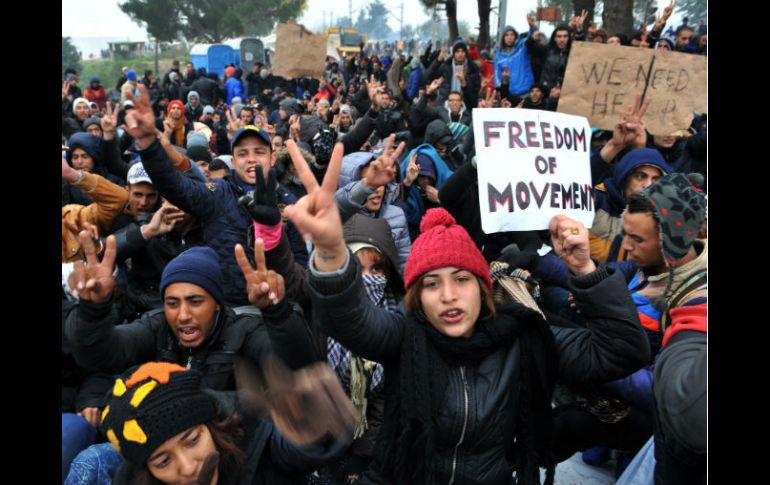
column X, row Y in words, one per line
column 532, row 166
column 299, row 52
column 549, row 14
column 601, row 81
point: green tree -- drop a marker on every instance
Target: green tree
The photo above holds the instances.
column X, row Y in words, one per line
column 216, row 20
column 159, row 17
column 695, row 11
column 378, row 19
column 70, row 57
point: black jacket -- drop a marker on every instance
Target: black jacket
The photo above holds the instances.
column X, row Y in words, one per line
column 99, row 345
column 480, row 404
column 553, row 59
column 445, row 70
column 209, row 91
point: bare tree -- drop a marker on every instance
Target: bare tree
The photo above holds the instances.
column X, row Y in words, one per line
column 618, row 16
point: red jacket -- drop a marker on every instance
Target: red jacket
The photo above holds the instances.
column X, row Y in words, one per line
column 98, row 96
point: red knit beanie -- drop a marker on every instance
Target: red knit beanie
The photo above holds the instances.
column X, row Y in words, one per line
column 443, row 242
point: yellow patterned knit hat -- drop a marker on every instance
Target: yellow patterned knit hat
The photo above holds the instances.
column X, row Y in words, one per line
column 150, row 404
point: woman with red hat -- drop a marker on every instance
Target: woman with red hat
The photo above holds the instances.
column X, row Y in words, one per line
column 468, row 381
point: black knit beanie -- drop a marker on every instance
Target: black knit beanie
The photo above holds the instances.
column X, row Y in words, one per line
column 150, row 404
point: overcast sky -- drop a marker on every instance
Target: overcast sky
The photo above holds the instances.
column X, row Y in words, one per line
column 89, row 18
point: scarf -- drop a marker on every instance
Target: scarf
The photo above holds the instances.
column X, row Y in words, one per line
column 178, row 133
column 357, row 374
column 427, row 358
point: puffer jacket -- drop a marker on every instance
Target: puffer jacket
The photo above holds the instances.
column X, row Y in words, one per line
column 99, row 345
column 476, row 425
column 215, row 205
column 351, row 199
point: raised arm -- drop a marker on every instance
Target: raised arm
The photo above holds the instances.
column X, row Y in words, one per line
column 338, row 296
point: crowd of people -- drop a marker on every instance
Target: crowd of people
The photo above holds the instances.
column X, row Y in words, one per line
column 270, row 280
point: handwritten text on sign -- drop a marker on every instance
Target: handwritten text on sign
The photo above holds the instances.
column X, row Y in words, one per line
column 532, row 166
column 602, row 80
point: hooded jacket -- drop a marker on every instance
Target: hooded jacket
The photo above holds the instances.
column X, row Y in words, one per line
column 414, row 208
column 94, row 147
column 609, row 199
column 351, row 199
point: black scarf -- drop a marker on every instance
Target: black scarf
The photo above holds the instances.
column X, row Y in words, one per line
column 426, row 358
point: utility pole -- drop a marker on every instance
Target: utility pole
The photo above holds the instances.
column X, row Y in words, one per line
column 434, row 19
column 324, row 24
column 350, row 12
column 502, row 11
column 401, row 31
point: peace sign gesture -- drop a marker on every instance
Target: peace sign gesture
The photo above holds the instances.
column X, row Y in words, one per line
column 489, row 100
column 93, row 280
column 632, row 125
column 233, row 122
column 383, row 169
column 265, row 287
column 109, row 121
column 140, row 122
column 316, row 215
column 578, row 21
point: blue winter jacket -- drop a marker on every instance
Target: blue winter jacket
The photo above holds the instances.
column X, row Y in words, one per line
column 215, row 205
column 518, row 61
column 233, row 88
column 414, row 83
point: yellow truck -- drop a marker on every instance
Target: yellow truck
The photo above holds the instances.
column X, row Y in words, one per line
column 346, row 40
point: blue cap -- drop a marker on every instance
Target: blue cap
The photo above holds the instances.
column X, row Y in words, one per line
column 249, row 130
column 131, row 75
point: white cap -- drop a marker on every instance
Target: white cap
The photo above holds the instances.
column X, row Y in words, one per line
column 137, row 174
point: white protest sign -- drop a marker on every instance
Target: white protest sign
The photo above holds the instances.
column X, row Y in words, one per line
column 532, row 166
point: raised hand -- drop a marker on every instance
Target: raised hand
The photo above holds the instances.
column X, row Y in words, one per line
column 488, row 101
column 306, row 405
column 68, row 174
column 316, row 215
column 460, row 75
column 570, row 242
column 434, row 85
column 92, row 281
column 635, row 133
column 109, row 121
column 373, row 88
column 140, row 122
column 382, row 170
column 262, row 202
column 412, row 171
column 233, row 122
column 431, row 193
column 265, row 287
column 668, row 10
column 163, row 221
